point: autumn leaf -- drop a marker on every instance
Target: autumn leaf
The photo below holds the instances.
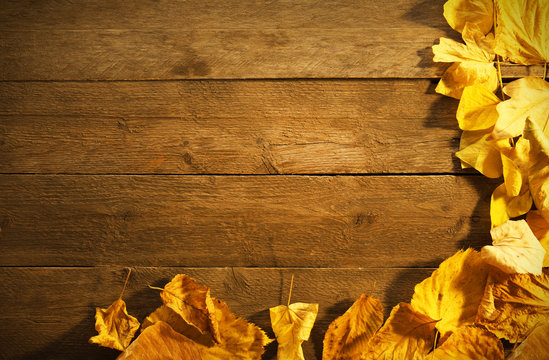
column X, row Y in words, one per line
column 503, row 207
column 534, row 347
column 407, row 335
column 538, row 171
column 193, row 303
column 515, row 249
column 522, row 31
column 469, row 343
column 477, row 151
column 540, row 228
column 515, row 305
column 529, row 99
column 453, row 292
column 477, row 108
column 460, row 12
column 347, row 336
column 473, row 62
column 292, row 325
column 114, row 325
column 161, row 342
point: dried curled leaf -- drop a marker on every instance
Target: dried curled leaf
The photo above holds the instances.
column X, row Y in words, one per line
column 292, row 325
column 460, row 12
column 193, row 303
column 529, row 99
column 540, row 228
column 453, row 292
column 407, row 335
column 522, row 31
column 534, row 347
column 348, row 335
column 115, row 326
column 515, row 249
column 473, row 62
column 515, row 305
column 469, row 343
column 538, row 170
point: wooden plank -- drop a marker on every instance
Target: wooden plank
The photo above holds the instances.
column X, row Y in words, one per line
column 244, row 127
column 314, row 221
column 47, row 313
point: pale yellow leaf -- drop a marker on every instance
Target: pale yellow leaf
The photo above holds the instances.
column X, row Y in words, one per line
column 529, row 99
column 453, row 292
column 538, row 171
column 503, row 207
column 540, row 228
column 517, row 303
column 480, row 153
column 406, row 335
column 477, row 108
column 460, row 12
column 193, row 303
column 292, row 325
column 534, row 347
column 515, row 249
column 347, row 336
column 115, row 326
column 522, row 31
column 469, row 343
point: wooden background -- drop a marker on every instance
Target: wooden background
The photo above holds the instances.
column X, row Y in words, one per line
column 239, row 142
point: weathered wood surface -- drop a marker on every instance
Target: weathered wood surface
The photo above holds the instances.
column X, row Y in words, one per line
column 104, row 39
column 240, row 220
column 47, row 313
column 235, row 127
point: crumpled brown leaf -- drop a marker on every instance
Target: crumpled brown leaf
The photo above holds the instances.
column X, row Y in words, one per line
column 348, row 335
column 515, row 304
column 515, row 249
column 115, row 326
column 534, row 347
column 469, row 343
column 292, row 325
column 522, row 31
column 540, row 228
column 453, row 292
column 193, row 303
column 406, row 335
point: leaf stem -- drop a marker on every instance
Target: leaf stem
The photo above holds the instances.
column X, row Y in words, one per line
column 125, row 282
column 291, row 286
column 545, row 71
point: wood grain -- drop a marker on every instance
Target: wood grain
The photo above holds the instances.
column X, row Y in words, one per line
column 240, row 220
column 48, row 312
column 227, row 127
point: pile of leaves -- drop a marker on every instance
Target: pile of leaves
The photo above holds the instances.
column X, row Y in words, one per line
column 474, row 300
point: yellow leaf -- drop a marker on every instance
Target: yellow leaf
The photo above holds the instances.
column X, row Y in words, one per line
column 348, row 335
column 115, row 326
column 453, row 292
column 503, row 207
column 460, row 12
column 538, row 172
column 477, row 108
column 406, row 335
column 529, row 99
column 480, row 153
column 540, row 228
column 472, row 62
column 535, row 347
column 161, row 342
column 292, row 325
column 519, row 303
column 193, row 303
column 522, row 31
column 469, row 343
column 515, row 249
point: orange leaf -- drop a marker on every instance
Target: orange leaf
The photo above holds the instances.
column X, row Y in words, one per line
column 469, row 343
column 115, row 326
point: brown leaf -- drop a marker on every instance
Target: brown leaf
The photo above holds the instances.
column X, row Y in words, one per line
column 193, row 303
column 348, row 335
column 515, row 304
column 406, row 335
column 535, row 347
column 115, row 326
column 453, row 292
column 469, row 343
